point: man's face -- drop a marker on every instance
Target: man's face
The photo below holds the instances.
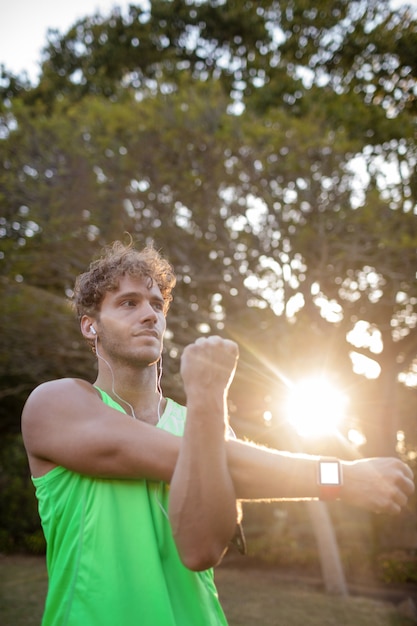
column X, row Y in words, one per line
column 132, row 323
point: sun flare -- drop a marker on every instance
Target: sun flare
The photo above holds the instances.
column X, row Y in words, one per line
column 315, row 407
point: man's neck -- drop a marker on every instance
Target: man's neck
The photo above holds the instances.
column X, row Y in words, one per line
column 135, row 391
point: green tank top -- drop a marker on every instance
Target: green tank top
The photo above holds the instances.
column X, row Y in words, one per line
column 111, row 556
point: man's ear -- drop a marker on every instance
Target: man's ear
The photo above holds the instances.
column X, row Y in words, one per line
column 88, row 328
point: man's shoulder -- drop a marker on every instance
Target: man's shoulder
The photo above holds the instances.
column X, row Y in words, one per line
column 47, row 418
column 60, row 390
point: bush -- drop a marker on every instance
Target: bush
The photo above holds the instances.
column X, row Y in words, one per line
column 35, row 542
column 20, row 528
column 282, row 535
column 398, row 566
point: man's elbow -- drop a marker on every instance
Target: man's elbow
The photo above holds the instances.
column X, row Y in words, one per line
column 203, row 558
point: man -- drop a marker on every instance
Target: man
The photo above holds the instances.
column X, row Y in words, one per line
column 138, row 503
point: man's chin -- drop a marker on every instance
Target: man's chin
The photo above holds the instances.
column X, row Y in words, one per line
column 148, row 359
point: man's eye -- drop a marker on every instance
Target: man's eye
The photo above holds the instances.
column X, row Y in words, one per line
column 128, row 303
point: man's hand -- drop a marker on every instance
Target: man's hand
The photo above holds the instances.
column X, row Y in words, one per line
column 209, row 363
column 381, row 485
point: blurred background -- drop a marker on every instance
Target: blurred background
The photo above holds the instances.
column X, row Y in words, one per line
column 269, row 151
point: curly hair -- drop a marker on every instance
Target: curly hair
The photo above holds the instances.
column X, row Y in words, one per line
column 117, row 261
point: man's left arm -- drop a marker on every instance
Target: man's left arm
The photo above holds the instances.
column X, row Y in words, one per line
column 203, row 508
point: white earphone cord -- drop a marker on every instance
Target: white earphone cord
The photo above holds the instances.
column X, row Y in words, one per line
column 161, row 485
column 113, row 383
column 112, row 380
column 159, row 388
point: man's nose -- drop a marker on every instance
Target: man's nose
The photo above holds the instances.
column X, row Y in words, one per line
column 148, row 312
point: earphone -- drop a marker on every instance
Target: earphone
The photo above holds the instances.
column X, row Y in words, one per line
column 161, row 485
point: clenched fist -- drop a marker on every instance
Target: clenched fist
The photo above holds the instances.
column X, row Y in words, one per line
column 209, row 364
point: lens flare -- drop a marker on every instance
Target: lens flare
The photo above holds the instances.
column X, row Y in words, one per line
column 315, row 407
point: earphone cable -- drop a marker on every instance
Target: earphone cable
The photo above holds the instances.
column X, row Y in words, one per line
column 113, row 382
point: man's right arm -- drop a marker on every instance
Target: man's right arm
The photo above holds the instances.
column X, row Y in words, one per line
column 65, row 423
column 380, row 485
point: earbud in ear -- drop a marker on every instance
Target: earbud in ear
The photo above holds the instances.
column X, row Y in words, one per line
column 93, row 330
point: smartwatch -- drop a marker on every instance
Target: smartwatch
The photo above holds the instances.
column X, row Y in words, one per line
column 329, row 479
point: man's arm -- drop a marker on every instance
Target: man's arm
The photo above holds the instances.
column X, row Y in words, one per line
column 380, row 485
column 65, row 423
column 202, row 503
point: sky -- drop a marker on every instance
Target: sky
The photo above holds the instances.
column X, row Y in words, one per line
column 24, row 25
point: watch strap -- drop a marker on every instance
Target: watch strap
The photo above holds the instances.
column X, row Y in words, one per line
column 329, row 492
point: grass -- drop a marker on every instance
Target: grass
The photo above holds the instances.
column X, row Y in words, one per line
column 261, row 597
column 23, row 584
column 249, row 597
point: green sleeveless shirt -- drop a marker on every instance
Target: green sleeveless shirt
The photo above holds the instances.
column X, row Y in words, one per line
column 111, row 556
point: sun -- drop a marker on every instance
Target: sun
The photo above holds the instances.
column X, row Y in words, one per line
column 315, row 407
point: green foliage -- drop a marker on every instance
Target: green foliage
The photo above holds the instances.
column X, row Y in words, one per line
column 42, row 342
column 281, row 535
column 227, row 133
column 19, row 521
column 398, row 567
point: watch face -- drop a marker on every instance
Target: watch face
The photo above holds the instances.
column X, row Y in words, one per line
column 329, row 473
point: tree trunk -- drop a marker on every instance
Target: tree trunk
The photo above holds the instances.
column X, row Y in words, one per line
column 384, row 438
column 330, row 561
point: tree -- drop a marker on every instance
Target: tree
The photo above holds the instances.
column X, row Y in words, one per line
column 269, row 152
